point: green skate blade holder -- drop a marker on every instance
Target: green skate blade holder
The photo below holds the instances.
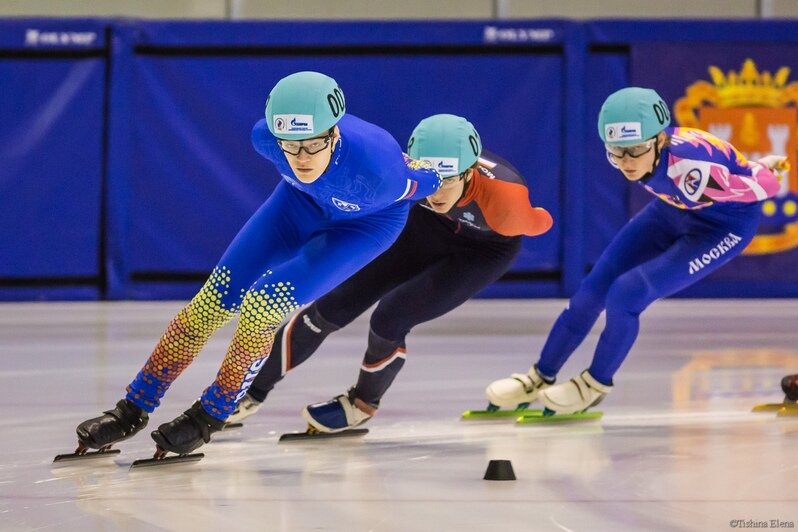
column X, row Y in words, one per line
column 541, row 418
column 496, row 413
column 769, row 407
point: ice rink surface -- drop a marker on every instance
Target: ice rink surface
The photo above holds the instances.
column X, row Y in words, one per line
column 677, row 449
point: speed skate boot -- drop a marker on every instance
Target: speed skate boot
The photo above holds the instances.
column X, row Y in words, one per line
column 115, row 425
column 246, row 407
column 187, row 431
column 517, row 391
column 788, row 407
column 789, row 385
column 338, row 414
column 576, row 395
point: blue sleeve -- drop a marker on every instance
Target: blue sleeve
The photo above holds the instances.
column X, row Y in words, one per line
column 422, row 179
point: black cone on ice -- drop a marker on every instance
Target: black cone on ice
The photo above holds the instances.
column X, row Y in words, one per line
column 499, row 470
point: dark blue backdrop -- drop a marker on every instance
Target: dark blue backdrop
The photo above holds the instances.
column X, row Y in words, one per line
column 126, row 168
column 187, row 178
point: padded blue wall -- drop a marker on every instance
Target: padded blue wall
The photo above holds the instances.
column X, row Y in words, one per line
column 126, row 168
column 52, row 112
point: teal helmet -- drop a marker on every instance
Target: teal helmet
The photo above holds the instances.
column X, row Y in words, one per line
column 632, row 116
column 449, row 143
column 304, row 105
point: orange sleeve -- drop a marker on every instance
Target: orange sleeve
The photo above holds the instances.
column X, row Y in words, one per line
column 507, row 210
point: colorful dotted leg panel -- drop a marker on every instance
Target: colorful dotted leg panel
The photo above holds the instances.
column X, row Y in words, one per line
column 184, row 338
column 262, row 311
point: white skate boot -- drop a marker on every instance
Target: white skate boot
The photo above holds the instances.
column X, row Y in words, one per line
column 576, row 395
column 517, row 391
column 336, row 415
column 245, row 408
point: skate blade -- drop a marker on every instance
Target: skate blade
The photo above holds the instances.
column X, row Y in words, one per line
column 788, row 410
column 557, row 418
column 310, row 435
column 71, row 457
column 231, row 426
column 500, row 414
column 768, row 407
column 167, row 460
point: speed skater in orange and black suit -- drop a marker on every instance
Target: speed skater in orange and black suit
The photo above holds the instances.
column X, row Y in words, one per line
column 456, row 242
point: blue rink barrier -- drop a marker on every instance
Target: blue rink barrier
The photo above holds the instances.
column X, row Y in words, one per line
column 53, row 109
column 127, row 166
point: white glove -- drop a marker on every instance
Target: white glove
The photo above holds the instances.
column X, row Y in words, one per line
column 778, row 164
column 775, row 162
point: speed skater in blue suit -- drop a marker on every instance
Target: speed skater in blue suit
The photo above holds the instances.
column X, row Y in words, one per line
column 456, row 241
column 706, row 210
column 344, row 198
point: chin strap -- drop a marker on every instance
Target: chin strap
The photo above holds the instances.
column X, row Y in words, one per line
column 657, row 153
column 332, row 153
column 466, row 183
column 648, row 175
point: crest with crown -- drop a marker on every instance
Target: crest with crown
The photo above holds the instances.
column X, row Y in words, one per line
column 747, row 88
column 757, row 112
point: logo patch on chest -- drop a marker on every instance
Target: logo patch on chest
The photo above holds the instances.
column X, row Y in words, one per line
column 345, row 205
column 692, row 181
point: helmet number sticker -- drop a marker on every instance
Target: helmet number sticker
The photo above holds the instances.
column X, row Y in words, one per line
column 474, row 144
column 336, row 101
column 661, row 110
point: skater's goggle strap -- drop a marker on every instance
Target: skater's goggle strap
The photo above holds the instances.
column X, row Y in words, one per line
column 311, row 146
column 635, row 151
column 451, row 182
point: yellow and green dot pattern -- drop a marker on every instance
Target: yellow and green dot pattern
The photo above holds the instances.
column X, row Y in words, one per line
column 262, row 311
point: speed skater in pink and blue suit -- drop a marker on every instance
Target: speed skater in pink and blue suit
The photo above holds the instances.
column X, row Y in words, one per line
column 344, row 198
column 705, row 212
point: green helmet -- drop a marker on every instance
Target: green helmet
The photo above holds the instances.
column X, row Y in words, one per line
column 632, row 116
column 304, row 105
column 448, row 142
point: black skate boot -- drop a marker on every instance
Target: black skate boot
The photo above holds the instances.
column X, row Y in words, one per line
column 118, row 424
column 789, row 385
column 789, row 407
column 186, row 432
